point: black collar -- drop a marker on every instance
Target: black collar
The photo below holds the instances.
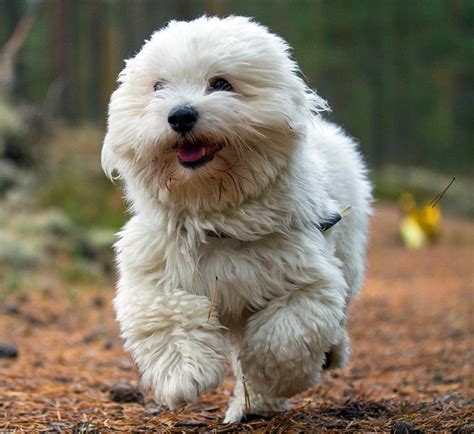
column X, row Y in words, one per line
column 217, row 234
column 323, row 226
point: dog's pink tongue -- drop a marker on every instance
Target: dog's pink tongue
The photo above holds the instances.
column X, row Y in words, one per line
column 191, row 153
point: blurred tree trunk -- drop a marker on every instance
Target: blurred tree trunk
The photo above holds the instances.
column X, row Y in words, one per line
column 9, row 52
column 183, row 10
column 110, row 63
column 10, row 13
column 94, row 38
column 58, row 47
column 383, row 84
column 137, row 16
column 214, row 7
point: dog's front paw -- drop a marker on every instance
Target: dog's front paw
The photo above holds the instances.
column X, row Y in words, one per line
column 183, row 386
column 178, row 344
column 185, row 368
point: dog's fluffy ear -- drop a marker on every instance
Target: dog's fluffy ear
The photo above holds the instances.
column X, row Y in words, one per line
column 119, row 134
column 110, row 147
column 113, row 148
column 108, row 159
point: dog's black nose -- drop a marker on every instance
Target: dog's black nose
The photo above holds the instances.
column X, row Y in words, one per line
column 182, row 118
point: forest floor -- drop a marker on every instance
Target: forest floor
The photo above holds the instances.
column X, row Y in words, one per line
column 412, row 333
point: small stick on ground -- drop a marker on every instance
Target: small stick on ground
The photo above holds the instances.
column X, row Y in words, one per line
column 213, row 300
column 246, row 396
column 172, row 416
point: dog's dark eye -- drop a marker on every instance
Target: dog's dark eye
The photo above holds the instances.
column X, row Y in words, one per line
column 220, row 83
column 158, row 85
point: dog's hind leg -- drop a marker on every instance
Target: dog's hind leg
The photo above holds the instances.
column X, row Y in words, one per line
column 338, row 355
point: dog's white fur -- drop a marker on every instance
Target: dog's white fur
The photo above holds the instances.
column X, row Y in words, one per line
column 283, row 285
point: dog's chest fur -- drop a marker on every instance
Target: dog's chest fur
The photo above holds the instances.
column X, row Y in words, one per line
column 241, row 271
column 242, row 276
column 253, row 267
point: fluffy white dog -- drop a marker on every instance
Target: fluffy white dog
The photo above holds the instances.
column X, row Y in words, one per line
column 232, row 173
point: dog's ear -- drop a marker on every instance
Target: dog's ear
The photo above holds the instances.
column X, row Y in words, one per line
column 113, row 144
column 117, row 139
column 108, row 159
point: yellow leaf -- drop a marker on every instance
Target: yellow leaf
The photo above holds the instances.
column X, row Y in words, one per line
column 412, row 234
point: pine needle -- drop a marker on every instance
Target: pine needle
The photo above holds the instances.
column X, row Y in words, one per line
column 248, row 406
column 213, row 300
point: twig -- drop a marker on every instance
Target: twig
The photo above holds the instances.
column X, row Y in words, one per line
column 346, row 209
column 439, row 196
column 248, row 406
column 213, row 300
column 172, row 415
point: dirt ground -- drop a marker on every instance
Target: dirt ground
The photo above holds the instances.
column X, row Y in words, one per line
column 411, row 371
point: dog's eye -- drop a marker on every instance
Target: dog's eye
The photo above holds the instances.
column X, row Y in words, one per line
column 220, row 83
column 158, row 85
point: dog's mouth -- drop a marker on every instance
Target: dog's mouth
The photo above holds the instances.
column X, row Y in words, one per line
column 196, row 154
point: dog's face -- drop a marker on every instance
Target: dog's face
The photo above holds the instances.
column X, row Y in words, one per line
column 206, row 114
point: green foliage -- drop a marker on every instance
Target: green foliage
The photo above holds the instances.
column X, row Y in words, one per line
column 79, row 272
column 89, row 202
column 73, row 180
column 13, row 282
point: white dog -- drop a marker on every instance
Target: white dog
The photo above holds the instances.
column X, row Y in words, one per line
column 233, row 178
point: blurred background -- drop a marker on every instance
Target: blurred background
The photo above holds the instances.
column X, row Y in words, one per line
column 399, row 77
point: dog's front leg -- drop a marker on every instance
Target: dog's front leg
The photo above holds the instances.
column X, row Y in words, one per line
column 179, row 349
column 285, row 343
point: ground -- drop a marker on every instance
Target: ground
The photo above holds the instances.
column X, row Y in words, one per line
column 412, row 333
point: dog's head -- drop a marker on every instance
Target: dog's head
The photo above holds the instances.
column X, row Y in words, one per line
column 207, row 114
